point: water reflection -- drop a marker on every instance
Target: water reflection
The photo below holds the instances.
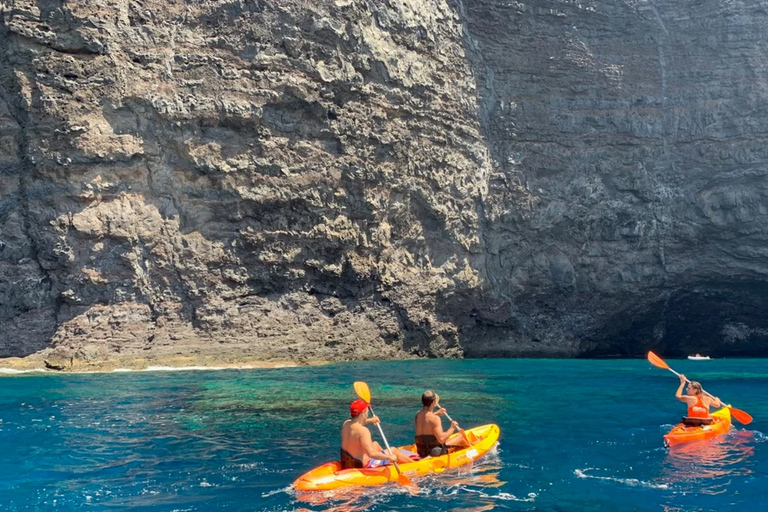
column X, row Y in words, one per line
column 710, row 463
column 351, row 499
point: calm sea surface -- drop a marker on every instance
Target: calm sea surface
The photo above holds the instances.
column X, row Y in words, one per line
column 575, row 435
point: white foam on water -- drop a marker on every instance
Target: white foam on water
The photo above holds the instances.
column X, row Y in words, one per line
column 14, row 371
column 631, row 482
column 202, row 368
column 288, row 489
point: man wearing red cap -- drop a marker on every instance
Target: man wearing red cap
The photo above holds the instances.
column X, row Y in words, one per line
column 358, row 449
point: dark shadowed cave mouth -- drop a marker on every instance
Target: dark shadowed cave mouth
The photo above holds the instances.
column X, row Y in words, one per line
column 719, row 319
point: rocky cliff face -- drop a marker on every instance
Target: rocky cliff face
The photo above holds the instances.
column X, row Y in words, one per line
column 350, row 179
column 637, row 128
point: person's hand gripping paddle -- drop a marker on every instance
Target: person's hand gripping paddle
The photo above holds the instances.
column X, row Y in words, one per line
column 466, row 438
column 740, row 415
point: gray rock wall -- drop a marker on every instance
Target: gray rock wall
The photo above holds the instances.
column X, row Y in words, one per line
column 638, row 129
column 355, row 179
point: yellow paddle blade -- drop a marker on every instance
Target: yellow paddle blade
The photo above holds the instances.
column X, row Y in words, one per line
column 361, row 388
column 657, row 361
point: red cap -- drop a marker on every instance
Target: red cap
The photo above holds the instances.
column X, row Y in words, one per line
column 357, row 407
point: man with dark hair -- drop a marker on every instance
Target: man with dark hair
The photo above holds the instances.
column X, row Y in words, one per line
column 430, row 437
column 358, row 449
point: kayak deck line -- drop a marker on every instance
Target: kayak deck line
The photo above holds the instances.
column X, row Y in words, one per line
column 330, row 476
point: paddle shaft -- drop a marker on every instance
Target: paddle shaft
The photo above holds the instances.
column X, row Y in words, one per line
column 461, row 431
column 688, row 381
column 740, row 415
column 378, row 424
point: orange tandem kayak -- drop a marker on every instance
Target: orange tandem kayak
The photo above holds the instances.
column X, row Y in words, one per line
column 684, row 434
column 331, row 476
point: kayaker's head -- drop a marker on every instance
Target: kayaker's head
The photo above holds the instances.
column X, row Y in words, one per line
column 694, row 388
column 358, row 407
column 429, row 399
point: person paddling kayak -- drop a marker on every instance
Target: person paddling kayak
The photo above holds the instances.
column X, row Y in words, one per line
column 430, row 437
column 698, row 403
column 358, row 449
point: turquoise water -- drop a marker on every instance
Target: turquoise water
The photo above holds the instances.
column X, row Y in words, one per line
column 575, row 435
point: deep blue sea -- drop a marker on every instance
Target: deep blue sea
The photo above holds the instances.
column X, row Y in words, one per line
column 576, row 435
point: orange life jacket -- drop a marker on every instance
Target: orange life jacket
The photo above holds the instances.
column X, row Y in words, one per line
column 698, row 410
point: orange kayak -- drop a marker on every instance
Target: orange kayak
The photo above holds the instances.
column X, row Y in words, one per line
column 684, row 434
column 331, row 476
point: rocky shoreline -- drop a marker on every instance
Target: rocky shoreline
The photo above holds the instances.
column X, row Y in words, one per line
column 39, row 363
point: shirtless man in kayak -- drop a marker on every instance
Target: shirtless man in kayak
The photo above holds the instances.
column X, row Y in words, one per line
column 698, row 402
column 431, row 439
column 358, row 449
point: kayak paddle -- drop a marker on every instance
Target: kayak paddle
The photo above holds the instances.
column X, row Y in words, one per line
column 461, row 430
column 466, row 438
column 361, row 388
column 740, row 415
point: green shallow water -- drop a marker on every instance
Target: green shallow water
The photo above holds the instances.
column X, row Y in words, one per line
column 575, row 435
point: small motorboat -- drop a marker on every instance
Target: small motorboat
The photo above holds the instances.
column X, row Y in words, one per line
column 698, row 357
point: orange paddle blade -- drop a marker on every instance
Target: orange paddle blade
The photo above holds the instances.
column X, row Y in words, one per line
column 465, row 436
column 657, row 361
column 740, row 415
column 404, row 480
column 361, row 388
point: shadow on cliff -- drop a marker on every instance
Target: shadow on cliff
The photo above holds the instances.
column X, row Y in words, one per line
column 609, row 227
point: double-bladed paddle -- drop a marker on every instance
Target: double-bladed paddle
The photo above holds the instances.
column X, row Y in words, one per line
column 740, row 415
column 361, row 388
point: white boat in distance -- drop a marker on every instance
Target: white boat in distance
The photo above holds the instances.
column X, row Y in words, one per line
column 698, row 357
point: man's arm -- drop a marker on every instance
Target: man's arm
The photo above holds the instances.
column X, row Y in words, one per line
column 679, row 393
column 437, row 429
column 367, row 444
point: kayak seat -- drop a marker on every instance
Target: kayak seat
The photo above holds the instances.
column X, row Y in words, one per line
column 429, row 446
column 696, row 422
column 348, row 461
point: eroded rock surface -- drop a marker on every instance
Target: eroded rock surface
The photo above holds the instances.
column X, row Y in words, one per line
column 352, row 179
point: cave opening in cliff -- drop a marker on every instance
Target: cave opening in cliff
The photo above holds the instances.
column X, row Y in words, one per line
column 720, row 319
